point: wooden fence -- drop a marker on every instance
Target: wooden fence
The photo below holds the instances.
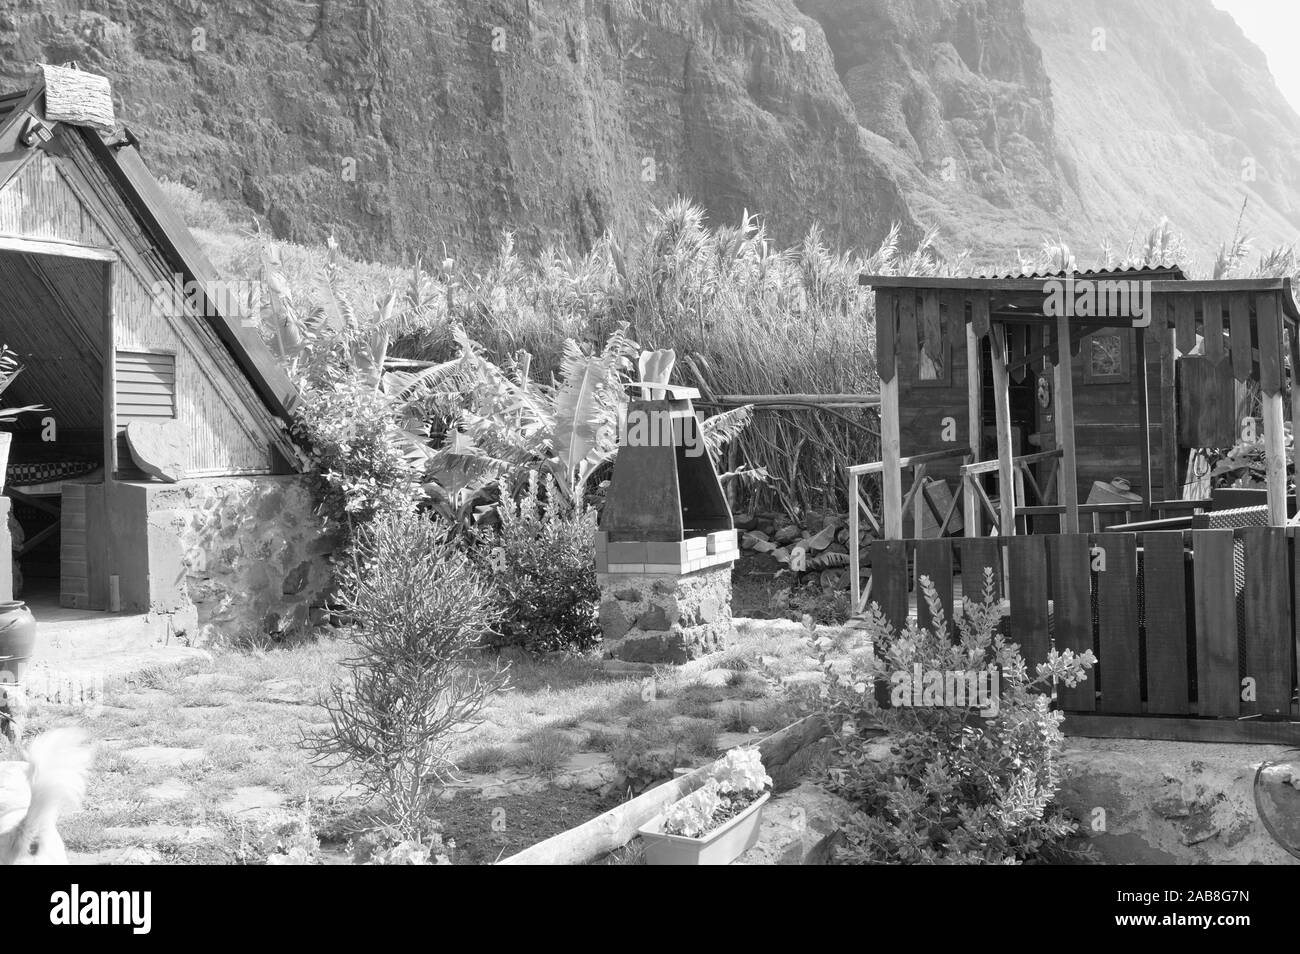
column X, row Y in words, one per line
column 1196, row 632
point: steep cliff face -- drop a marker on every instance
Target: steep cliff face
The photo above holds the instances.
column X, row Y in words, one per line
column 1167, row 109
column 406, row 123
column 960, row 101
column 401, row 124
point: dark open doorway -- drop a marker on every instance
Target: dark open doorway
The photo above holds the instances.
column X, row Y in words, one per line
column 52, row 318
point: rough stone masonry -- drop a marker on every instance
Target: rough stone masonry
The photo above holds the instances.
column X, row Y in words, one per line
column 672, row 604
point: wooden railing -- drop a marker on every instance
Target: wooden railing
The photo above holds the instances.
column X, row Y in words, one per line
column 915, row 498
column 1195, row 632
column 978, row 500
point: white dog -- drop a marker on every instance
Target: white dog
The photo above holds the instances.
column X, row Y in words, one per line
column 35, row 792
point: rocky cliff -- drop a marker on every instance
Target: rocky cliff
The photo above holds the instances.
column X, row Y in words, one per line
column 402, row 124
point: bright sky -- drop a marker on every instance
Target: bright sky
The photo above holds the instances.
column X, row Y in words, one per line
column 1271, row 25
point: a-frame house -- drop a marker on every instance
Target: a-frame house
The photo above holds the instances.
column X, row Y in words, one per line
column 147, row 361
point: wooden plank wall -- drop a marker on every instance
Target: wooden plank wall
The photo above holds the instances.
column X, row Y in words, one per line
column 1168, row 617
column 924, row 405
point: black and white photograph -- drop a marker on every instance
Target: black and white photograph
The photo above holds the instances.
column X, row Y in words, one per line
column 650, row 432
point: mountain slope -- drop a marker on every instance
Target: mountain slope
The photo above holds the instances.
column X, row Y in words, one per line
column 1177, row 116
column 403, row 124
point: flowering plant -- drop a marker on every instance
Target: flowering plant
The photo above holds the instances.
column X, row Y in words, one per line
column 693, row 815
column 734, row 783
column 741, row 771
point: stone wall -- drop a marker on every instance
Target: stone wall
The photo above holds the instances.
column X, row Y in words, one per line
column 232, row 556
column 664, row 617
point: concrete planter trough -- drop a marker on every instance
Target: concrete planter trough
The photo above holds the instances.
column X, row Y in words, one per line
column 721, row 846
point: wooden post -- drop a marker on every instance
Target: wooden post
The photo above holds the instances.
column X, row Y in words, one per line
column 1067, row 485
column 1006, row 467
column 1293, row 347
column 855, row 553
column 891, row 478
column 975, row 427
column 107, row 497
column 1275, row 458
column 1272, row 386
column 110, row 375
column 1168, row 414
column 891, row 500
column 1144, row 419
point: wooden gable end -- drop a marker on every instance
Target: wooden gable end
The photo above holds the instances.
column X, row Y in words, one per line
column 62, row 194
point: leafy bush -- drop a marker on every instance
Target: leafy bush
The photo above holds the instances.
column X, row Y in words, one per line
column 639, row 766
column 360, row 468
column 954, row 787
column 421, row 609
column 544, row 571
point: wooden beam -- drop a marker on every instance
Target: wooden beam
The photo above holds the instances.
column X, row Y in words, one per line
column 1006, row 453
column 106, row 498
column 618, row 826
column 1180, row 729
column 1144, row 419
column 110, row 374
column 975, row 428
column 16, row 243
column 1168, row 413
column 1067, row 486
column 891, row 500
column 1293, row 347
column 1274, row 458
column 855, row 553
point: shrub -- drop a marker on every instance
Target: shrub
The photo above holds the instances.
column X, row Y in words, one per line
column 641, row 767
column 360, row 468
column 420, row 609
column 955, row 787
column 545, row 572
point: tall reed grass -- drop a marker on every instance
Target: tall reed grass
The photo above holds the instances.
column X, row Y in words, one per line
column 744, row 316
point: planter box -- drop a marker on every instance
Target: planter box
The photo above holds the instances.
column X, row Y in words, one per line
column 721, row 846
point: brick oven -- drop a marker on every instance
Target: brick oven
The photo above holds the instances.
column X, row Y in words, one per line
column 666, row 541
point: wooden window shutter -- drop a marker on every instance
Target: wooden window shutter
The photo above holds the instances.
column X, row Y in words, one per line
column 145, row 387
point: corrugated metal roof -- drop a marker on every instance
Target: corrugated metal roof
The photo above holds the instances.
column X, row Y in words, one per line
column 1152, row 272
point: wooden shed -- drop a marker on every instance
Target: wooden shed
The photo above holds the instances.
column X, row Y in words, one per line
column 938, row 409
column 120, row 322
column 1190, row 601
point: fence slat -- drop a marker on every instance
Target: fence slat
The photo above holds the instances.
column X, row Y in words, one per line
column 934, row 559
column 976, row 554
column 1268, row 620
column 1118, row 656
column 1072, row 610
column 1295, row 603
column 889, row 580
column 1164, row 587
column 1027, row 589
column 1215, row 604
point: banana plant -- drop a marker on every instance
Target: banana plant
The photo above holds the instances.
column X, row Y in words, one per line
column 509, row 424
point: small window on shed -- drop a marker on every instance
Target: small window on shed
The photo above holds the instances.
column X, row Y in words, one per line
column 146, row 386
column 146, row 391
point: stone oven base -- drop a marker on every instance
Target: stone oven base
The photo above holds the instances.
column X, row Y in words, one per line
column 666, row 617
